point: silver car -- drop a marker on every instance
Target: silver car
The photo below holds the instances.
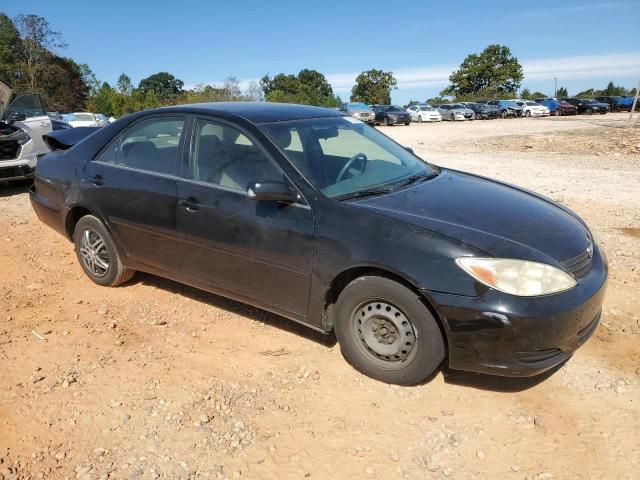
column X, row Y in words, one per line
column 359, row 110
column 23, row 122
column 455, row 111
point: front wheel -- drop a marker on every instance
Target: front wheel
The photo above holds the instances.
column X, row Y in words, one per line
column 97, row 253
column 385, row 121
column 527, row 113
column 386, row 332
column 505, row 114
column 419, row 118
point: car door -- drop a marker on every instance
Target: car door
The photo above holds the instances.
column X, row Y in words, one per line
column 37, row 122
column 261, row 251
column 132, row 185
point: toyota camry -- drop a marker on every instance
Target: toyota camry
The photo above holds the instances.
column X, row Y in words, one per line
column 318, row 217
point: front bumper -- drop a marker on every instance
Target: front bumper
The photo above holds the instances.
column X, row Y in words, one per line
column 20, row 168
column 399, row 120
column 502, row 334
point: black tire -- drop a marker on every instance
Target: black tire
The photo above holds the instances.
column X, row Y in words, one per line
column 115, row 273
column 419, row 118
column 407, row 123
column 558, row 112
column 385, row 121
column 588, row 111
column 414, row 341
column 452, row 117
column 505, row 114
column 527, row 113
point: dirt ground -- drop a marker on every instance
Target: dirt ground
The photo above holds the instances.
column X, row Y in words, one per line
column 158, row 380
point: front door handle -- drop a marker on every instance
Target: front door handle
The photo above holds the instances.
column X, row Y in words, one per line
column 190, row 204
column 97, row 180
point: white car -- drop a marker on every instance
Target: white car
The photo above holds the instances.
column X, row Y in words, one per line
column 424, row 113
column 23, row 122
column 85, row 119
column 532, row 109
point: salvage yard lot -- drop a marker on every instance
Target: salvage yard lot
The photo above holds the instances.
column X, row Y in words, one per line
column 159, row 380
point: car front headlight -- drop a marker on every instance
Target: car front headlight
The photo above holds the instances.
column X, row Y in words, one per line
column 522, row 278
column 24, row 139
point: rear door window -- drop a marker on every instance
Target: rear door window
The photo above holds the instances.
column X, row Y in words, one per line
column 150, row 145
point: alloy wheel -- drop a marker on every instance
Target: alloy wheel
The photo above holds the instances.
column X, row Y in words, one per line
column 94, row 253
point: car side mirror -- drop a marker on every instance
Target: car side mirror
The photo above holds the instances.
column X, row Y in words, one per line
column 271, row 191
column 16, row 117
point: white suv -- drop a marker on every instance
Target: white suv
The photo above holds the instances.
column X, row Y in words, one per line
column 23, row 122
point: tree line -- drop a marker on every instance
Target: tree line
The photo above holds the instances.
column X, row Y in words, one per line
column 30, row 62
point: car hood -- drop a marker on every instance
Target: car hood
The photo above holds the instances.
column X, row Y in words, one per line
column 5, row 97
column 500, row 219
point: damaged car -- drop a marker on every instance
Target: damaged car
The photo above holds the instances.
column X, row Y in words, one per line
column 24, row 121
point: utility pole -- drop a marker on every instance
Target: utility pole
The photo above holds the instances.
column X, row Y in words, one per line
column 635, row 102
column 555, row 87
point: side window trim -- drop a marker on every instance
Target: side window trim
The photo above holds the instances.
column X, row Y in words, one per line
column 118, row 137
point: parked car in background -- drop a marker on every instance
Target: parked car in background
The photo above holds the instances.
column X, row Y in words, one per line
column 558, row 107
column 411, row 265
column 359, row 110
column 483, row 111
column 625, row 104
column 23, row 122
column 424, row 113
column 455, row 111
column 508, row 108
column 85, row 119
column 533, row 109
column 391, row 115
column 102, row 119
column 611, row 100
column 588, row 106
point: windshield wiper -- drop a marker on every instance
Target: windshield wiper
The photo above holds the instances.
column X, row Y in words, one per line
column 365, row 193
column 418, row 177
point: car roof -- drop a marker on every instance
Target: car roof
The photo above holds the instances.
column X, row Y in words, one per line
column 256, row 112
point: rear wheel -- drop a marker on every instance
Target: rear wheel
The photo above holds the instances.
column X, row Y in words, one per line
column 452, row 117
column 97, row 253
column 386, row 332
column 559, row 112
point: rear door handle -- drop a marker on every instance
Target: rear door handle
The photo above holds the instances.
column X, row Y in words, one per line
column 190, row 204
column 97, row 180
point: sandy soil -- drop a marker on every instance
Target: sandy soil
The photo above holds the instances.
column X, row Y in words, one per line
column 158, row 380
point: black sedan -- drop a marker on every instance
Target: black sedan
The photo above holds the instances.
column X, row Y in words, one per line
column 588, row 106
column 391, row 115
column 313, row 215
column 484, row 111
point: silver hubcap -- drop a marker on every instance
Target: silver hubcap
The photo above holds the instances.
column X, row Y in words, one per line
column 384, row 332
column 94, row 253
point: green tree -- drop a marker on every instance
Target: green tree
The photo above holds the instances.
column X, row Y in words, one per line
column 525, row 94
column 493, row 72
column 164, row 86
column 124, row 84
column 374, row 86
column 562, row 92
column 9, row 44
column 34, row 49
column 89, row 78
column 309, row 87
column 62, row 85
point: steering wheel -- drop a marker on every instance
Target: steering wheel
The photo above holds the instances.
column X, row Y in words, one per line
column 350, row 162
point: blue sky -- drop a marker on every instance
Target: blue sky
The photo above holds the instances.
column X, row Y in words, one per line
column 582, row 43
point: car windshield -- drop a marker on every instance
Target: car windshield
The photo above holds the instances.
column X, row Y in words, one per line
column 532, row 104
column 457, row 105
column 357, row 106
column 83, row 117
column 589, row 102
column 394, row 109
column 343, row 157
column 427, row 109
